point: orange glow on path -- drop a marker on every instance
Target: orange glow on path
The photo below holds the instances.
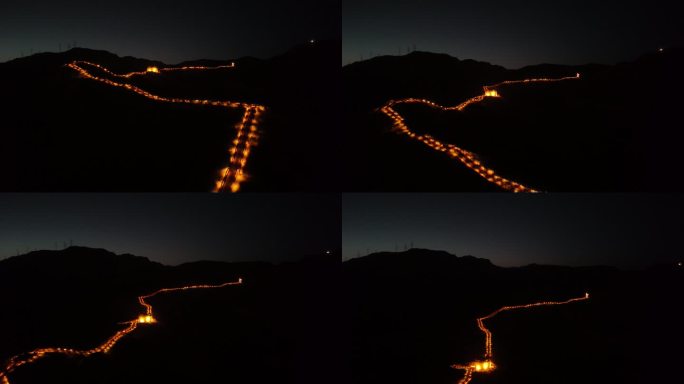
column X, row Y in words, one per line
column 230, row 177
column 487, row 365
column 147, row 318
column 467, row 158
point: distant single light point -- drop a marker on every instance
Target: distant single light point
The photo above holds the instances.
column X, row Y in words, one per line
column 679, row 264
column 660, row 49
column 586, row 295
column 577, row 75
column 312, row 41
column 153, row 69
column 328, row 252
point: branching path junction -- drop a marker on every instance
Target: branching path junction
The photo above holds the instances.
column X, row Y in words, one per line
column 231, row 176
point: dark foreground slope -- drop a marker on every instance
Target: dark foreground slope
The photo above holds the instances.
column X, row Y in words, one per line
column 412, row 314
column 613, row 130
column 277, row 327
column 66, row 133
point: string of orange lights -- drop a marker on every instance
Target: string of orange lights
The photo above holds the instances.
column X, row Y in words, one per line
column 230, row 177
column 148, row 318
column 157, row 70
column 467, row 158
column 487, row 365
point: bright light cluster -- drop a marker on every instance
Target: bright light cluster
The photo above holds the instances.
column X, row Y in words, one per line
column 230, row 177
column 491, row 93
column 487, row 364
column 148, row 318
column 467, row 158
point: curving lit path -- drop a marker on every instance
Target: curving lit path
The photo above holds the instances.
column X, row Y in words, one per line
column 147, row 318
column 487, row 365
column 467, row 158
column 231, row 176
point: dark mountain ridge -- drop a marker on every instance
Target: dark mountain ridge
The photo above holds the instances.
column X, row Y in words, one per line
column 417, row 260
column 105, row 268
column 48, row 60
column 438, row 259
column 416, row 74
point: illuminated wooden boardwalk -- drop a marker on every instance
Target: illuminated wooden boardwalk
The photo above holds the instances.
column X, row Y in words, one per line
column 147, row 318
column 467, row 158
column 487, row 364
column 230, row 177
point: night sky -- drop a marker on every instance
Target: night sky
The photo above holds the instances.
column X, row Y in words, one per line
column 630, row 230
column 513, row 33
column 174, row 228
column 170, row 31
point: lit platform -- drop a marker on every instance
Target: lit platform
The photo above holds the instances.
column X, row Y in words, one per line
column 146, row 319
column 482, row 366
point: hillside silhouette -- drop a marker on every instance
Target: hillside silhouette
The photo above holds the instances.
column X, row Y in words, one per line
column 62, row 132
column 412, row 314
column 274, row 327
column 610, row 131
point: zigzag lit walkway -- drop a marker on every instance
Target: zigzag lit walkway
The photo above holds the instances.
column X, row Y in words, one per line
column 469, row 159
column 147, row 318
column 487, row 365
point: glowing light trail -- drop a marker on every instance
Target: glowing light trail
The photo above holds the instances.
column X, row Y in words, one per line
column 487, row 365
column 234, row 174
column 467, row 158
column 148, row 318
column 154, row 69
